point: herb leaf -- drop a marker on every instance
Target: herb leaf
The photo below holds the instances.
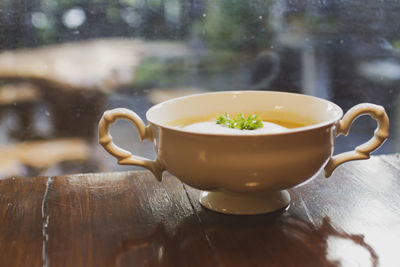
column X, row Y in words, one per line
column 240, row 122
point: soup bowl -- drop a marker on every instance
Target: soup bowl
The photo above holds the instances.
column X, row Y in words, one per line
column 245, row 173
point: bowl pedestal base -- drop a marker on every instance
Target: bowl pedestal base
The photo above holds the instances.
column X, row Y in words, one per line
column 244, row 203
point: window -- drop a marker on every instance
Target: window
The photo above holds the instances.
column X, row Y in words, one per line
column 62, row 63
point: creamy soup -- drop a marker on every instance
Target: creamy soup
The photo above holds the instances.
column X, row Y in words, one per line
column 212, row 127
column 208, row 124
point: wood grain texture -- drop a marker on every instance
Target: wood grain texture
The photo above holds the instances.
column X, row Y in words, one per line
column 123, row 219
column 362, row 198
column 21, row 222
column 350, row 219
column 130, row 219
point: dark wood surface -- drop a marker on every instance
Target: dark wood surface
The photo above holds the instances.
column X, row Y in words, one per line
column 130, row 219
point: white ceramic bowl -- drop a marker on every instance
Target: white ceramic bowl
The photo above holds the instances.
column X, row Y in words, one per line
column 245, row 174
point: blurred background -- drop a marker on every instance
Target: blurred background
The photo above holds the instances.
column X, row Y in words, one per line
column 63, row 63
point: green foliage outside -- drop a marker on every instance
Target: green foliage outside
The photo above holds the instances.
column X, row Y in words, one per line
column 236, row 25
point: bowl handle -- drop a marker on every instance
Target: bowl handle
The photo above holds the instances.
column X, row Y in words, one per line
column 362, row 151
column 125, row 157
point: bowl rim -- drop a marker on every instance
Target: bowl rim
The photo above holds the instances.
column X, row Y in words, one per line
column 289, row 131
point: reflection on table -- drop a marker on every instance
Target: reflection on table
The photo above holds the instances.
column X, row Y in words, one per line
column 131, row 219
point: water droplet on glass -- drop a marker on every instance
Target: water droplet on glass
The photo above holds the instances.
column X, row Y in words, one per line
column 259, row 17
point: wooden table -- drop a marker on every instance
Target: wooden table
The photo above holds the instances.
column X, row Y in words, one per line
column 130, row 219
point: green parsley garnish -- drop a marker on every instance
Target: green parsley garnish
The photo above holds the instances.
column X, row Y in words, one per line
column 252, row 122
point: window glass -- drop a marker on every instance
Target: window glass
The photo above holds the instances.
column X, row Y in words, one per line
column 63, row 63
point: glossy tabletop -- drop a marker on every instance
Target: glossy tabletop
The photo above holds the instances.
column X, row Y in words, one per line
column 131, row 219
